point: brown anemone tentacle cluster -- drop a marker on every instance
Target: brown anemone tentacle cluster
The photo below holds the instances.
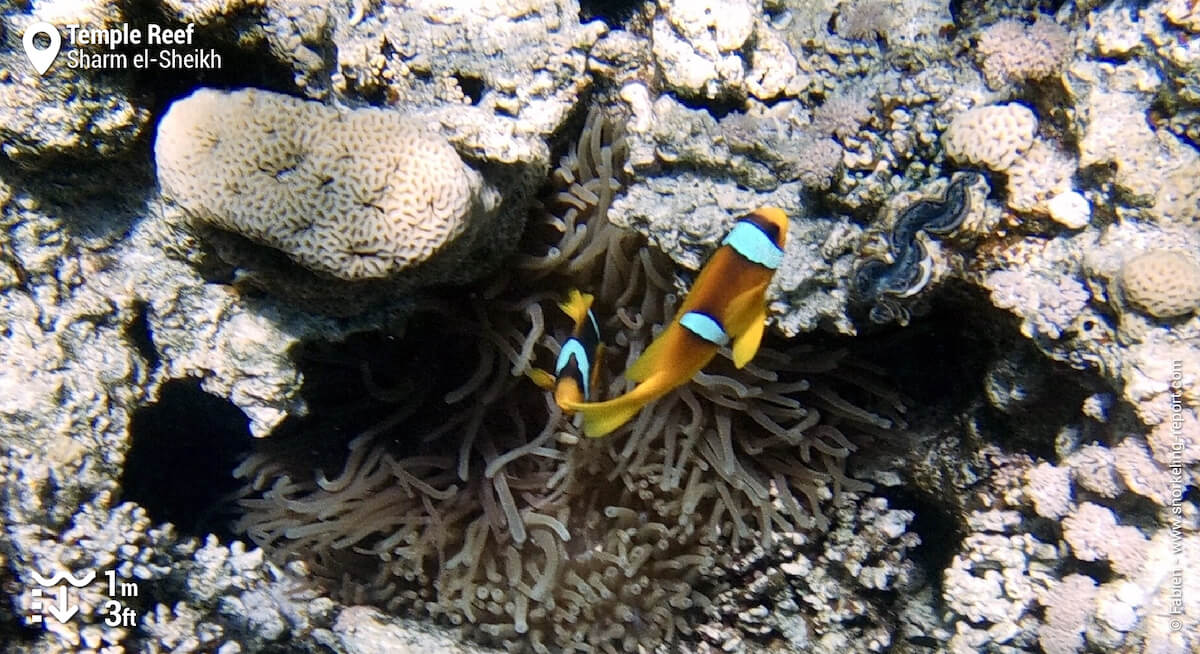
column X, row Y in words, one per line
column 480, row 504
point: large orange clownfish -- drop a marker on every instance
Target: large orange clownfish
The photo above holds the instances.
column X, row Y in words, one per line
column 726, row 304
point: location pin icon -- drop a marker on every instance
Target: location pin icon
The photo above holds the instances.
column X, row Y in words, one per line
column 42, row 58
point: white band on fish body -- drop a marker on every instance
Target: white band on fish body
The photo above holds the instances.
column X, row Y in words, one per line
column 705, row 326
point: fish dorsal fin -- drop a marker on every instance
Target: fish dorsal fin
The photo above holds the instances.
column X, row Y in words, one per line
column 577, row 305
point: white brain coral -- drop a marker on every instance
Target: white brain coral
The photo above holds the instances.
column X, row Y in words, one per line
column 356, row 194
column 1162, row 283
column 1012, row 51
column 994, row 136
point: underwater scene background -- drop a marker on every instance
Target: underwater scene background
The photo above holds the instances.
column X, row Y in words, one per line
column 276, row 294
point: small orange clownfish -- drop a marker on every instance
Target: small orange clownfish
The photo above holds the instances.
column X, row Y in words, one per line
column 727, row 303
column 576, row 369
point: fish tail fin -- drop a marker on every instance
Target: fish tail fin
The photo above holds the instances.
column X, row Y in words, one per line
column 577, row 305
column 647, row 362
column 603, row 418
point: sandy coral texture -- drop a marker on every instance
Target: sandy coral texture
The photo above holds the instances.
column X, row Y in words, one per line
column 360, row 194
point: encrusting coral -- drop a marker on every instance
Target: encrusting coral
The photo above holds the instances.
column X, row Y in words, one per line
column 1068, row 606
column 843, row 114
column 1012, row 51
column 484, row 508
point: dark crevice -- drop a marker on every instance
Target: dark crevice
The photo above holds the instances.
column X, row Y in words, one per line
column 1100, row 571
column 1048, row 97
column 940, row 362
column 940, row 533
column 1134, row 510
column 614, row 13
column 939, row 359
column 139, row 333
column 471, row 85
column 970, row 13
column 184, row 448
column 927, row 642
column 13, row 632
column 354, row 385
column 717, row 107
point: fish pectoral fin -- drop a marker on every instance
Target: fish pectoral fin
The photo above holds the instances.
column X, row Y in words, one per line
column 745, row 345
column 750, row 301
column 543, row 379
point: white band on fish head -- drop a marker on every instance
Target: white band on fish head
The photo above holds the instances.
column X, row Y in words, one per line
column 705, row 326
column 752, row 243
column 573, row 348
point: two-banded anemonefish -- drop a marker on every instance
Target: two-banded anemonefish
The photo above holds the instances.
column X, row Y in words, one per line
column 727, row 303
column 576, row 369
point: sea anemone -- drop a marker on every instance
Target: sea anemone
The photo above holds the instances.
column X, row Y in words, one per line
column 480, row 504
